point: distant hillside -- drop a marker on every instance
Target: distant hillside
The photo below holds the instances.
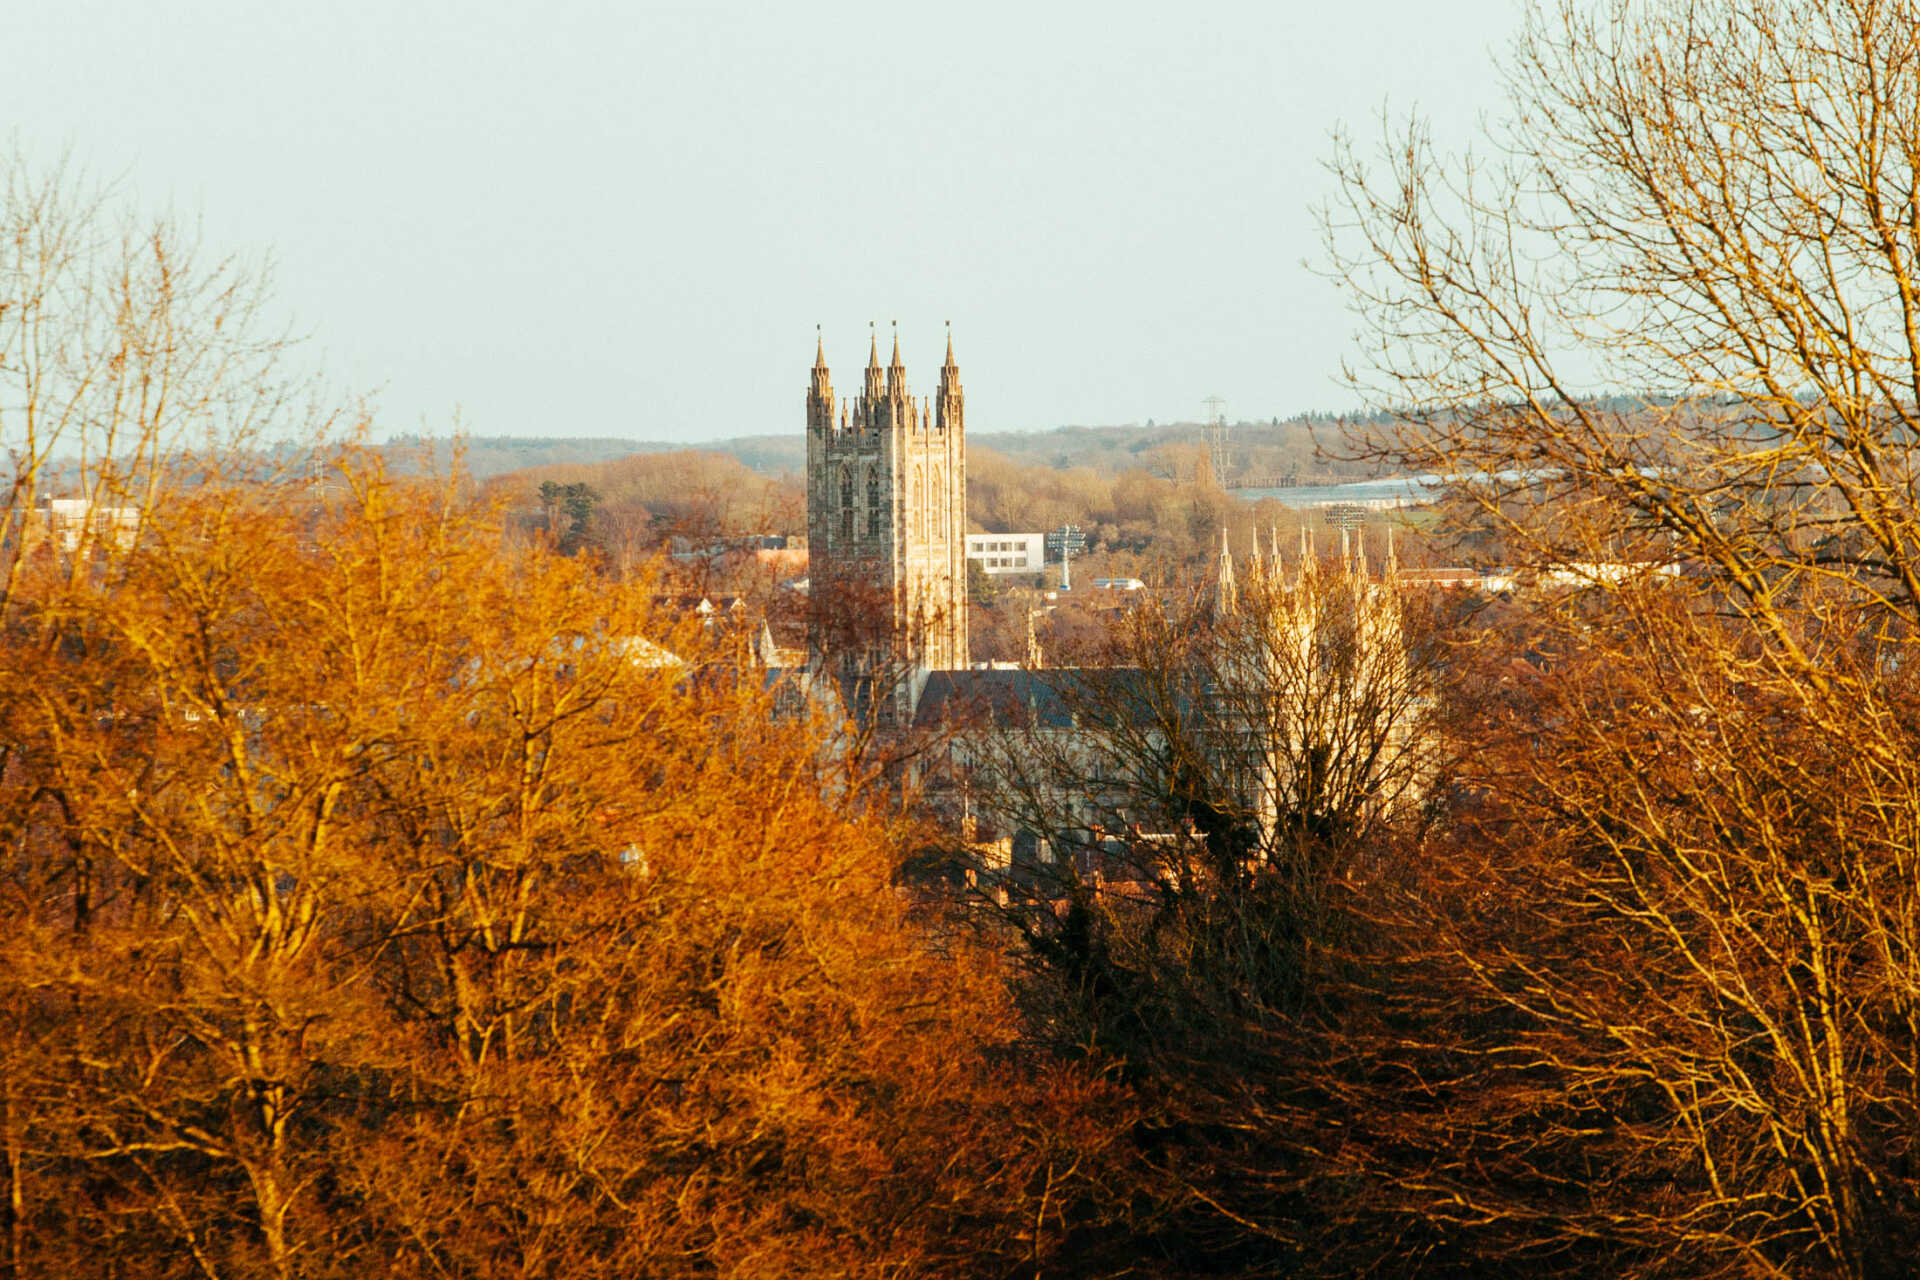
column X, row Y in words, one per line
column 1263, row 447
column 488, row 456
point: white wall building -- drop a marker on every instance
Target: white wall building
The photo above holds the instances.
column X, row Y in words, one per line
column 1008, row 552
column 68, row 522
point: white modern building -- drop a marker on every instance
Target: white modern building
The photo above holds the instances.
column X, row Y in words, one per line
column 1008, row 552
column 68, row 522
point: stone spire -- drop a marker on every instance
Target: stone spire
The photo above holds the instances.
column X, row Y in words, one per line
column 1392, row 569
column 873, row 365
column 897, row 371
column 1223, row 592
column 1254, row 568
column 820, row 387
column 1273, row 549
column 948, row 411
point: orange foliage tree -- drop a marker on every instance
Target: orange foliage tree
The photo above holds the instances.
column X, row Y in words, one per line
column 373, row 905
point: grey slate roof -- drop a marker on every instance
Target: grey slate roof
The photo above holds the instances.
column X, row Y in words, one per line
column 1045, row 699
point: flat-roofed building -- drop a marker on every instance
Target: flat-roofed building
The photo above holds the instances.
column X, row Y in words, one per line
column 1008, row 552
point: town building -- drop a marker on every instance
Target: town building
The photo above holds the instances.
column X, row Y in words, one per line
column 67, row 524
column 1300, row 707
column 1003, row 553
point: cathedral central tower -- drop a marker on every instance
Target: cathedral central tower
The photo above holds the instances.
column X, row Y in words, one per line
column 886, row 521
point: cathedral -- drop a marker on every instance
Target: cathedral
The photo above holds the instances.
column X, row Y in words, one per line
column 1302, row 692
column 886, row 529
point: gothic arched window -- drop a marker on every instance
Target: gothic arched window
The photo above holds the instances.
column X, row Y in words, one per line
column 938, row 507
column 846, row 502
column 917, row 513
column 873, row 500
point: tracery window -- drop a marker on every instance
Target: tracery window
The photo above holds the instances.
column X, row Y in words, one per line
column 873, row 500
column 846, row 502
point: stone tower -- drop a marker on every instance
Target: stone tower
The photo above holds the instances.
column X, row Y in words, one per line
column 886, row 522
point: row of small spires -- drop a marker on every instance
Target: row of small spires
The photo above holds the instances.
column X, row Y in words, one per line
column 1350, row 559
column 873, row 355
column 925, row 418
column 1349, row 552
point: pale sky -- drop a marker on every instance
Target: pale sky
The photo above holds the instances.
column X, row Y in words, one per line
column 625, row 219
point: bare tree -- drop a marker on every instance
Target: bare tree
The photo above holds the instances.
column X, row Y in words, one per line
column 1687, row 881
column 131, row 359
column 1172, row 835
column 1700, row 202
column 1209, row 781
